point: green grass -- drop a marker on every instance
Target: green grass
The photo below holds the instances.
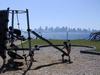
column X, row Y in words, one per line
column 87, row 43
column 78, row 42
column 41, row 42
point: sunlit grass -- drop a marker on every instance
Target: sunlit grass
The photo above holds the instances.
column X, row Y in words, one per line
column 41, row 42
column 87, row 43
column 77, row 42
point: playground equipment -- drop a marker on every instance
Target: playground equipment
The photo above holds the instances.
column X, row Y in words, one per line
column 95, row 36
column 10, row 34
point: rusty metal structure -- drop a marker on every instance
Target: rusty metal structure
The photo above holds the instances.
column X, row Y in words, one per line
column 10, row 33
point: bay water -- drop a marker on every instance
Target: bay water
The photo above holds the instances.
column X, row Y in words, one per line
column 61, row 35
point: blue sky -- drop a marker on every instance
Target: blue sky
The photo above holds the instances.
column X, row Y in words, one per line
column 53, row 13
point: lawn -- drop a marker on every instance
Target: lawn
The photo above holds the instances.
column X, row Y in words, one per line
column 87, row 43
column 77, row 42
column 41, row 42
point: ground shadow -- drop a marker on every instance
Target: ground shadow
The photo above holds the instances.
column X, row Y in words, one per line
column 47, row 65
column 6, row 68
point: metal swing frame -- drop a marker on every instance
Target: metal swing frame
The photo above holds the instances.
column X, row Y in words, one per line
column 34, row 33
column 13, row 12
column 31, row 52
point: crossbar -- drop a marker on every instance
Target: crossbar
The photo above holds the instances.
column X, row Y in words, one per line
column 36, row 34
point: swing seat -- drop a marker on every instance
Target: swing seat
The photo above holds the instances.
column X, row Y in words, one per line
column 14, row 55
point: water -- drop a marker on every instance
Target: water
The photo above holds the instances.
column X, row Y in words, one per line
column 61, row 35
column 64, row 35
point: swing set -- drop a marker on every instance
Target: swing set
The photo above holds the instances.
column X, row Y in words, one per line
column 9, row 34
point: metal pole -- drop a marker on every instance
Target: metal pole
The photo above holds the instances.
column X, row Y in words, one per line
column 12, row 19
column 67, row 35
column 31, row 53
column 28, row 29
column 12, row 38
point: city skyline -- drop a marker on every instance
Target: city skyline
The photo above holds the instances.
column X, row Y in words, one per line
column 63, row 29
column 58, row 13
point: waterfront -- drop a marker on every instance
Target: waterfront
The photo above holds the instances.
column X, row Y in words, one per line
column 61, row 35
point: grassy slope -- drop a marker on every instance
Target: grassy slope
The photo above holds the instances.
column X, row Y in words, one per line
column 78, row 42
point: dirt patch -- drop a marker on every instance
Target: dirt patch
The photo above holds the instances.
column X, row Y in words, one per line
column 48, row 62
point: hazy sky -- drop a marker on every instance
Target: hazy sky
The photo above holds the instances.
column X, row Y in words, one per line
column 71, row 13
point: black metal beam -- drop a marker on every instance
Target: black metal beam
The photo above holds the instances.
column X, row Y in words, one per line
column 36, row 34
